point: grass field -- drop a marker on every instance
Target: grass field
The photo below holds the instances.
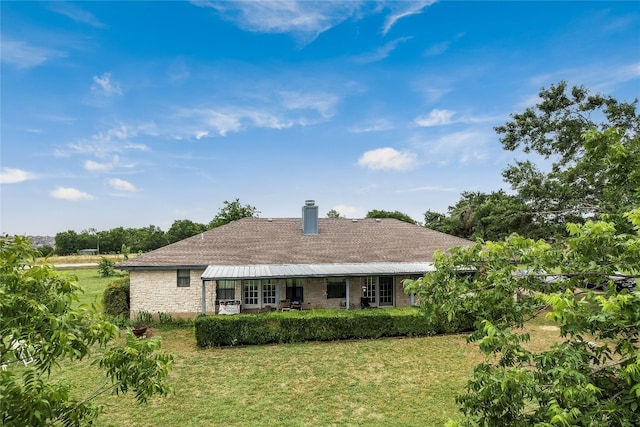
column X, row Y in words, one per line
column 385, row 382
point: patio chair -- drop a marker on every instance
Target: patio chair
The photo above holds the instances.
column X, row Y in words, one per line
column 296, row 303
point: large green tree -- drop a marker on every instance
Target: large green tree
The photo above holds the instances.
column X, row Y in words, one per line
column 592, row 145
column 232, row 211
column 591, row 377
column 377, row 213
column 42, row 324
column 488, row 216
column 183, row 228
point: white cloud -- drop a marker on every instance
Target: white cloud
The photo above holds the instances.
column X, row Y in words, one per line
column 65, row 193
column 459, row 147
column 347, row 211
column 303, row 19
column 121, row 185
column 413, row 8
column 14, row 176
column 114, row 140
column 381, row 53
column 436, row 118
column 322, row 102
column 103, row 85
column 377, row 125
column 388, row 159
column 75, row 13
column 92, row 166
column 23, row 55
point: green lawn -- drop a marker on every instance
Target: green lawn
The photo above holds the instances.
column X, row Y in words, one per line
column 398, row 382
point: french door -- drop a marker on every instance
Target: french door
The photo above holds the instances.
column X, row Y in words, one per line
column 259, row 293
column 378, row 291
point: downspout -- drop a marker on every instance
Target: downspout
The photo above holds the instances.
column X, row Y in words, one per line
column 204, row 297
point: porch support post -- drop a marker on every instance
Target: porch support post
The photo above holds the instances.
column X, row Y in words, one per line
column 204, row 297
column 347, row 294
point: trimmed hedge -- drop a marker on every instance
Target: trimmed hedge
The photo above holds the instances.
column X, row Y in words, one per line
column 315, row 325
column 115, row 300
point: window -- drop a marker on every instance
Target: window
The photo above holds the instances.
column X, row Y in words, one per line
column 336, row 288
column 294, row 290
column 184, row 278
column 225, row 289
column 269, row 291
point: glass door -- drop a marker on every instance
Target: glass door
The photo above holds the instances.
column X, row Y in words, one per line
column 251, row 294
column 369, row 291
column 385, row 291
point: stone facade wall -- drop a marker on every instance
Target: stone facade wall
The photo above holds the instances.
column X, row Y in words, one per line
column 156, row 291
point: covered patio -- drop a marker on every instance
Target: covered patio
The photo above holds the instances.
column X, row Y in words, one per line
column 255, row 286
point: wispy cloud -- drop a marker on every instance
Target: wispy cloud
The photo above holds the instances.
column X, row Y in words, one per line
column 322, row 102
column 75, row 13
column 464, row 147
column 21, row 54
column 14, row 176
column 68, row 193
column 103, row 85
column 402, row 10
column 305, row 20
column 347, row 211
column 377, row 125
column 291, row 108
column 114, row 140
column 435, row 118
column 388, row 159
column 121, row 185
column 380, row 53
column 439, row 117
column 442, row 47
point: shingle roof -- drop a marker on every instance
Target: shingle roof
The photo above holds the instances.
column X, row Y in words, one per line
column 255, row 241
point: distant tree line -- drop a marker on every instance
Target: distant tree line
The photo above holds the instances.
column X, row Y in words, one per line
column 146, row 239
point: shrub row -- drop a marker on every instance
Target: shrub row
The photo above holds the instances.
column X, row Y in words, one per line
column 115, row 300
column 314, row 325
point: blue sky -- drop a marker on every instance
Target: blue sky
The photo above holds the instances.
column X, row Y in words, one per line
column 138, row 113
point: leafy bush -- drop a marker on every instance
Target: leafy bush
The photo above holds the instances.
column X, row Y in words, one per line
column 313, row 325
column 106, row 267
column 115, row 300
column 143, row 318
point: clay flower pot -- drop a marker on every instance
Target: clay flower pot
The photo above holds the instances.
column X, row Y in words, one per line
column 139, row 331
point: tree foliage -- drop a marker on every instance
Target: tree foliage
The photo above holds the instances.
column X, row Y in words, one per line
column 591, row 377
column 478, row 215
column 375, row 213
column 41, row 325
column 333, row 214
column 232, row 211
column 591, row 140
column 184, row 228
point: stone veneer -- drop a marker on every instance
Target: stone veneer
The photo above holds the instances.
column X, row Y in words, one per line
column 156, row 291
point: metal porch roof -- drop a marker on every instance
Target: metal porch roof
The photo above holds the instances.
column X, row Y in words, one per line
column 266, row 271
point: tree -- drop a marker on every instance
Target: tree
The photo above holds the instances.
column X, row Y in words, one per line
column 41, row 325
column 591, row 377
column 585, row 156
column 333, row 214
column 183, row 228
column 388, row 214
column 480, row 215
column 66, row 242
column 232, row 211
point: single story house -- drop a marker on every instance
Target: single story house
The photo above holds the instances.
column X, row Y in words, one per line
column 255, row 264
